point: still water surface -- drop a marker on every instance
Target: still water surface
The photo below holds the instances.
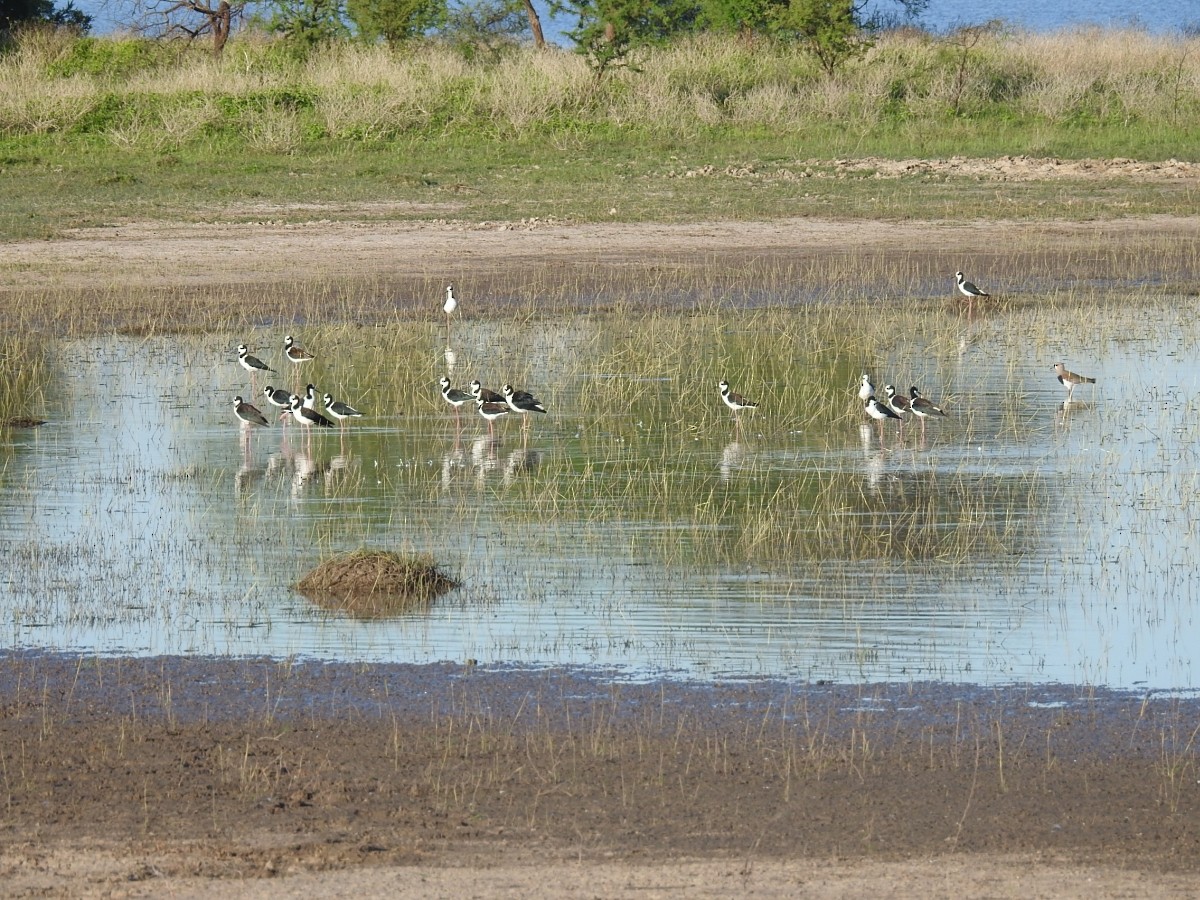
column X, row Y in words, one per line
column 141, row 520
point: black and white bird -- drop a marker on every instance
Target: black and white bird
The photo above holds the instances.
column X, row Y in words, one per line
column 968, row 288
column 479, row 392
column 278, row 397
column 307, row 417
column 878, row 411
column 866, row 390
column 522, row 401
column 1069, row 379
column 922, row 407
column 294, row 352
column 339, row 410
column 898, row 403
column 733, row 400
column 491, row 410
column 452, row 395
column 251, row 364
column 310, row 397
column 249, row 415
column 449, row 306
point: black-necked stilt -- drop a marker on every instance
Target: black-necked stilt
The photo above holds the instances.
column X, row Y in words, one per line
column 866, row 390
column 878, row 411
column 898, row 403
column 1069, row 379
column 522, row 401
column 339, row 410
column 453, row 396
column 969, row 290
column 922, row 407
column 248, row 414
column 307, row 417
column 278, row 397
column 491, row 410
column 251, row 364
column 310, row 397
column 448, row 307
column 479, row 392
column 734, row 401
column 294, row 352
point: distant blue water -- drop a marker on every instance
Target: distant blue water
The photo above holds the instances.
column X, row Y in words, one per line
column 1159, row 16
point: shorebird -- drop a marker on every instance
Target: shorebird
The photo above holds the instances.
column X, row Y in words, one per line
column 491, row 410
column 969, row 290
column 735, row 402
column 479, row 392
column 251, row 364
column 339, row 410
column 866, row 390
column 310, row 397
column 448, row 307
column 280, row 399
column 898, row 403
column 878, row 411
column 248, row 414
column 922, row 407
column 454, row 396
column 1069, row 379
column 294, row 352
column 522, row 402
column 305, row 416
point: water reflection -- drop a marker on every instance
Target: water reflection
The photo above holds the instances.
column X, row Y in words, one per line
column 635, row 536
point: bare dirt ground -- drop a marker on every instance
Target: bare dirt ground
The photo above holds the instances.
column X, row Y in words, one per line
column 204, row 778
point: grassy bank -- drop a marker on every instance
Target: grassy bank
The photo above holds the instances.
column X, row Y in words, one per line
column 102, row 131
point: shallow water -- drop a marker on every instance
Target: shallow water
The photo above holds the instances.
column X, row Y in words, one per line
column 1060, row 546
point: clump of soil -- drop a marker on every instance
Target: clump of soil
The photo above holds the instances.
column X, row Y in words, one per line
column 375, row 583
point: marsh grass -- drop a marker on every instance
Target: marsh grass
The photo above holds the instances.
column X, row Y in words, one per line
column 375, row 583
column 25, row 376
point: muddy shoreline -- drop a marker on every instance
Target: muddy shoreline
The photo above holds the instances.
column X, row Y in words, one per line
column 219, row 769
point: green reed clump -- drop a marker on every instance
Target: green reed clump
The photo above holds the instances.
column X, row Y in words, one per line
column 25, row 375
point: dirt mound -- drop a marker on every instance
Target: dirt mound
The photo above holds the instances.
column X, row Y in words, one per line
column 375, row 583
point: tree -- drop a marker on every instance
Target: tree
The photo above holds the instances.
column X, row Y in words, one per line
column 608, row 31
column 489, row 26
column 14, row 13
column 194, row 19
column 309, row 23
column 395, row 20
column 836, row 31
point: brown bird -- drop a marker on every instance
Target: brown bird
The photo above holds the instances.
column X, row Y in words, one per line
column 1069, row 379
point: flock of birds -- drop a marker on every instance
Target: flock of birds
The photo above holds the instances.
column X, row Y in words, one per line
column 492, row 405
column 489, row 404
column 302, row 409
column 897, row 405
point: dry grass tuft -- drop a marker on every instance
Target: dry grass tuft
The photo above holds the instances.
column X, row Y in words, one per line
column 374, row 583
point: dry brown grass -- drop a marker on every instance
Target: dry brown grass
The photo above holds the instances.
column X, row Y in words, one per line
column 371, row 93
column 375, row 583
